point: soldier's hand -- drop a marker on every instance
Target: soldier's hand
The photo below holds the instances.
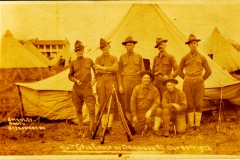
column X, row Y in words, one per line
column 79, row 82
column 165, row 77
column 121, row 89
column 134, row 120
column 178, row 107
column 148, row 114
column 92, row 83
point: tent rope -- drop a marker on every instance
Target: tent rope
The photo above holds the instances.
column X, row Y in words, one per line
column 167, row 25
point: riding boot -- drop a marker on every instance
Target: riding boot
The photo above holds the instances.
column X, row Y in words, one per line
column 191, row 121
column 157, row 123
column 110, row 131
column 129, row 116
column 198, row 116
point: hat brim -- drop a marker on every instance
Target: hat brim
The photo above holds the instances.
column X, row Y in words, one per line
column 192, row 41
column 160, row 43
column 141, row 74
column 124, row 43
column 169, row 80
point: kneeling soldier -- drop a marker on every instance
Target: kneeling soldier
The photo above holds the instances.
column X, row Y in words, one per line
column 174, row 104
column 145, row 101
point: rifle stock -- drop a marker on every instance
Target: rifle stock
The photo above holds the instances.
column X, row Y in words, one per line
column 108, row 113
column 99, row 116
column 125, row 122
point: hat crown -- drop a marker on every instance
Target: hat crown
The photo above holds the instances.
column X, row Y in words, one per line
column 191, row 37
column 103, row 42
column 159, row 40
column 78, row 45
column 129, row 39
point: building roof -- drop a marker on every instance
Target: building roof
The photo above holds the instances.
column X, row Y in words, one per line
column 51, row 42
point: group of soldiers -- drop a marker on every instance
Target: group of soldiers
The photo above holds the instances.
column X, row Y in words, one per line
column 143, row 93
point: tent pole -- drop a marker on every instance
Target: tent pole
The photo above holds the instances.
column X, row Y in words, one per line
column 21, row 104
column 220, row 108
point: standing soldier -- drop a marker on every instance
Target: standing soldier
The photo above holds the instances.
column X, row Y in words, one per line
column 80, row 74
column 193, row 84
column 174, row 105
column 130, row 65
column 106, row 67
column 163, row 64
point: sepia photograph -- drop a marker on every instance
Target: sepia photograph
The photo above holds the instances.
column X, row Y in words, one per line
column 120, row 79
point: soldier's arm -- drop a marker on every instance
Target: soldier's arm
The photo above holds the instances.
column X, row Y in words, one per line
column 207, row 68
column 157, row 101
column 94, row 71
column 179, row 70
column 133, row 102
column 142, row 68
column 183, row 101
column 114, row 67
column 120, row 69
column 71, row 74
column 166, row 104
column 174, row 63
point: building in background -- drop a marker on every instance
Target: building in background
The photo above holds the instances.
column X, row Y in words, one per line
column 50, row 48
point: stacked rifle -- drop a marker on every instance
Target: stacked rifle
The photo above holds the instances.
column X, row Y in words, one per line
column 125, row 122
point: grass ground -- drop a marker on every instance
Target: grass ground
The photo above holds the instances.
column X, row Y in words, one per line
column 60, row 138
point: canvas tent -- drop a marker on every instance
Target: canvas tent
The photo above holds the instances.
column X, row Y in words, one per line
column 144, row 22
column 50, row 98
column 36, row 52
column 66, row 54
column 224, row 54
column 17, row 64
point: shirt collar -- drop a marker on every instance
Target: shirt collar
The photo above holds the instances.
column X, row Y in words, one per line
column 193, row 53
column 80, row 57
column 106, row 55
column 130, row 54
column 147, row 87
column 172, row 91
column 164, row 54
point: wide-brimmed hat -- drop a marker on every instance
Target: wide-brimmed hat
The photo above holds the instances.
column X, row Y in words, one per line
column 159, row 41
column 141, row 74
column 169, row 80
column 78, row 45
column 192, row 38
column 103, row 42
column 129, row 39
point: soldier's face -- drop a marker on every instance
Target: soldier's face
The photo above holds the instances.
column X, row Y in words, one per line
column 146, row 79
column 170, row 86
column 193, row 45
column 162, row 46
column 105, row 50
column 80, row 52
column 129, row 47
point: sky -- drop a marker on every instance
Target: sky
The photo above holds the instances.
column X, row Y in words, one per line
column 90, row 21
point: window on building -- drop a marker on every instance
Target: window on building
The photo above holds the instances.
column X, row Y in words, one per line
column 211, row 56
column 54, row 46
column 60, row 46
column 47, row 46
column 41, row 46
column 48, row 54
column 55, row 53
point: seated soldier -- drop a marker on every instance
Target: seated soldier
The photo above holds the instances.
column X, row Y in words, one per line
column 174, row 104
column 145, row 101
